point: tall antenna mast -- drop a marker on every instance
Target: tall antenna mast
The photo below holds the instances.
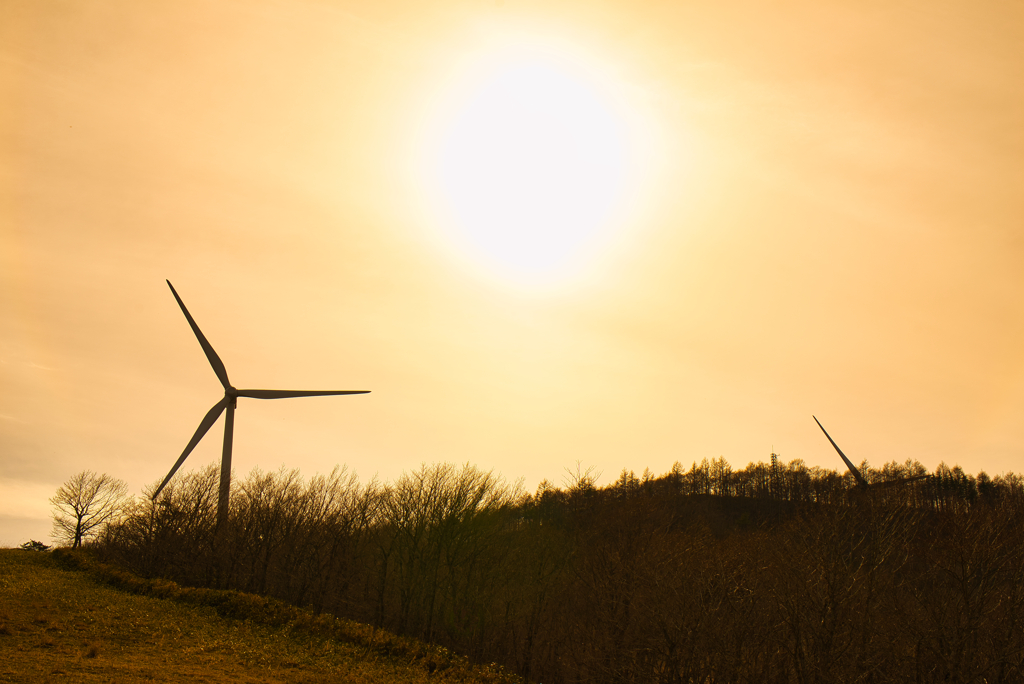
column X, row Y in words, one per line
column 773, row 475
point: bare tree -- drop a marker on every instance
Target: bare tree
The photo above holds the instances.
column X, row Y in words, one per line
column 84, row 504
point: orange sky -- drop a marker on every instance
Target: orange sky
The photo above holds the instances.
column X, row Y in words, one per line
column 833, row 224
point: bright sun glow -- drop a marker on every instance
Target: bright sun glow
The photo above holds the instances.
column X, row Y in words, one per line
column 530, row 164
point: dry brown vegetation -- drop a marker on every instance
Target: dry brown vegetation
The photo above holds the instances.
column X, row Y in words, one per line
column 58, row 623
column 784, row 574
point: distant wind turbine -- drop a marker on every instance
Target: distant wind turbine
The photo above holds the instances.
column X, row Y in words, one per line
column 229, row 401
column 863, row 484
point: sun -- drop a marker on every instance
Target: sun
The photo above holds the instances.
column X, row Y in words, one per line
column 531, row 163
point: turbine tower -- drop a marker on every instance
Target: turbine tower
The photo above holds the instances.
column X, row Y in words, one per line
column 229, row 402
column 863, row 484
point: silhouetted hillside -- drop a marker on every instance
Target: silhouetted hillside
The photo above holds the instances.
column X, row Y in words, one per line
column 769, row 574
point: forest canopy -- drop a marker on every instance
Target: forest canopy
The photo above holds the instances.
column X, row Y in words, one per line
column 773, row 572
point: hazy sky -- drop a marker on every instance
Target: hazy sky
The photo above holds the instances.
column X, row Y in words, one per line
column 822, row 212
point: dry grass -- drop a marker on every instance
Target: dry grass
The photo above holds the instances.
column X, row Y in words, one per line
column 62, row 625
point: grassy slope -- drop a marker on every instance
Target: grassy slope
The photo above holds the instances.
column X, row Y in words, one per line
column 58, row 624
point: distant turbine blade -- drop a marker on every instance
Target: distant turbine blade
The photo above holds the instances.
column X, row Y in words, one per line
column 284, row 394
column 218, row 365
column 211, row 417
column 902, row 480
column 856, row 473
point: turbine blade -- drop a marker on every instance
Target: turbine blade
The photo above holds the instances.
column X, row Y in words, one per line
column 902, row 480
column 211, row 417
column 218, row 365
column 856, row 473
column 284, row 394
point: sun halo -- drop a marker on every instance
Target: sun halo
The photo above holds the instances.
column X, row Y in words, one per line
column 530, row 165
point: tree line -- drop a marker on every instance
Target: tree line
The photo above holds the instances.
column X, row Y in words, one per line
column 776, row 572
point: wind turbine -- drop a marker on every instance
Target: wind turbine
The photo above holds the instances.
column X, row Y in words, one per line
column 229, row 401
column 863, row 484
